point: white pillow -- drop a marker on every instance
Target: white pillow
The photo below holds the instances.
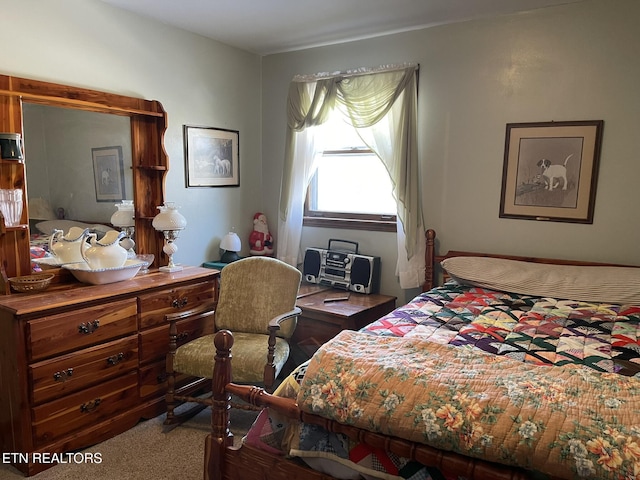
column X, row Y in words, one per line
column 48, row 226
column 617, row 285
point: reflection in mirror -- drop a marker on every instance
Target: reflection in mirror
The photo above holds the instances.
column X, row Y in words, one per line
column 78, row 165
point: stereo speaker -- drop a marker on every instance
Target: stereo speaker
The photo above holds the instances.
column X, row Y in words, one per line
column 312, row 264
column 365, row 274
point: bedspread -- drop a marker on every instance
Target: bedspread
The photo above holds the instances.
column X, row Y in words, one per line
column 605, row 337
column 569, row 421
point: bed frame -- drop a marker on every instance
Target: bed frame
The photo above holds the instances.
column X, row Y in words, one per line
column 223, row 461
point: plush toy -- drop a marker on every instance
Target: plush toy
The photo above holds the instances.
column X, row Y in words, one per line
column 260, row 240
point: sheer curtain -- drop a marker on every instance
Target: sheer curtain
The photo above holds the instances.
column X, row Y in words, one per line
column 382, row 104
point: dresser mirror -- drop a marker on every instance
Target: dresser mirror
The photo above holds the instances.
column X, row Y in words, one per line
column 64, row 143
column 67, row 132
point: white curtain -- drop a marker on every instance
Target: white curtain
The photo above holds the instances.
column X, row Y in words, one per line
column 382, row 105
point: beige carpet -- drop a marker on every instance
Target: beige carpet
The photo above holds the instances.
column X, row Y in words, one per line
column 146, row 452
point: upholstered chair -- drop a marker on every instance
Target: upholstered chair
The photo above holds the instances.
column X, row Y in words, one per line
column 257, row 303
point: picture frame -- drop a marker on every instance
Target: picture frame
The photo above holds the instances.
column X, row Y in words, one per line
column 108, row 173
column 550, row 170
column 211, row 157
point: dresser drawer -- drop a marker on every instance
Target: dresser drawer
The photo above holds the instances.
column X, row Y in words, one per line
column 58, row 418
column 154, row 343
column 69, row 373
column 153, row 380
column 56, row 334
column 154, row 306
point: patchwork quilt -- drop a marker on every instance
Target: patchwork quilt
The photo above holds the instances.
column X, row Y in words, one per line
column 579, row 416
column 543, row 331
column 567, row 421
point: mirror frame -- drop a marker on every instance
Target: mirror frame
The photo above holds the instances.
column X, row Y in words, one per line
column 150, row 161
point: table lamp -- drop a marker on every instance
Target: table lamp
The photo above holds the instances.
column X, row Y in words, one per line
column 231, row 244
column 170, row 222
column 124, row 219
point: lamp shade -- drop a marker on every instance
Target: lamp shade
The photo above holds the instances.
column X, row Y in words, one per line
column 231, row 242
column 123, row 216
column 169, row 218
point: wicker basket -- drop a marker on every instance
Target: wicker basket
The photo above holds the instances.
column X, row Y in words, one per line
column 31, row 283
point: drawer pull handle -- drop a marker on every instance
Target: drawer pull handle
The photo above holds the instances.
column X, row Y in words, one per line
column 180, row 302
column 89, row 327
column 90, row 406
column 115, row 359
column 161, row 378
column 63, row 375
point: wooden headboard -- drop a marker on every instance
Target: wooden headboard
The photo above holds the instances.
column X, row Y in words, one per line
column 434, row 274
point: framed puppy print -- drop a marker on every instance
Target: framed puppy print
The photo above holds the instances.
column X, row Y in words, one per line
column 108, row 173
column 550, row 171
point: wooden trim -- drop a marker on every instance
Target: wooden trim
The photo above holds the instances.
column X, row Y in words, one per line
column 349, row 223
column 78, row 104
column 429, row 255
column 78, row 97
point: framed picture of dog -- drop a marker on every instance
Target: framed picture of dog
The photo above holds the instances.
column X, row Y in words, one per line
column 108, row 173
column 211, row 157
column 550, row 170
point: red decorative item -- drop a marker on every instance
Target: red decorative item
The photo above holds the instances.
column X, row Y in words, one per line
column 260, row 240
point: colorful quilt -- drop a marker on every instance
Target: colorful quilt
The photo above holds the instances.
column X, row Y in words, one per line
column 520, row 333
column 543, row 331
column 568, row 421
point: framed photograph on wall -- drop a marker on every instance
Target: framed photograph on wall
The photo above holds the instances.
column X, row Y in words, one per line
column 550, row 171
column 108, row 173
column 211, row 157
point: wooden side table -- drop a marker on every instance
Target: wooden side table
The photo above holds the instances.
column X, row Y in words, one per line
column 320, row 320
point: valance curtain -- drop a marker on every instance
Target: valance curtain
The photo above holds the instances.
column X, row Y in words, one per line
column 382, row 105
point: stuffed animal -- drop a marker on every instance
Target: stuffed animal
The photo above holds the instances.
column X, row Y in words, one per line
column 260, row 240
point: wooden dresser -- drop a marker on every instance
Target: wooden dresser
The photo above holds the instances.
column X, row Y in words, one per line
column 83, row 363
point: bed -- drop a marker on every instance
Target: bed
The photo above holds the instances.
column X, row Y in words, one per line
column 506, row 370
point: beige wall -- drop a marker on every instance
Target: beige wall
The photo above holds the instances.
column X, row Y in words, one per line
column 90, row 44
column 574, row 62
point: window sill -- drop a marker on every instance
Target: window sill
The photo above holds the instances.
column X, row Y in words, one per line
column 343, row 223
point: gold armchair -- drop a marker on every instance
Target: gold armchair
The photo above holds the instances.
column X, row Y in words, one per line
column 257, row 304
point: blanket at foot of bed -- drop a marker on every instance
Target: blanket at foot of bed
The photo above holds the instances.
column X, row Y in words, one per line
column 566, row 421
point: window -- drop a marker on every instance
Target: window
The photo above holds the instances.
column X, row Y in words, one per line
column 351, row 187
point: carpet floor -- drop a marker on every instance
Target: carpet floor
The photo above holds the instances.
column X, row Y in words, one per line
column 146, row 452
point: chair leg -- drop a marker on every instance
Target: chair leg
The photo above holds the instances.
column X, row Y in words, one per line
column 178, row 419
column 171, row 377
column 171, row 399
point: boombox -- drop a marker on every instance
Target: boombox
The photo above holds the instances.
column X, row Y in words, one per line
column 342, row 269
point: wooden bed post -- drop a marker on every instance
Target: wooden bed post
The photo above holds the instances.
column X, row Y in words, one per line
column 429, row 258
column 220, row 436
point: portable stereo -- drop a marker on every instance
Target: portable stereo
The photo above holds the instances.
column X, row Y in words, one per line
column 342, row 269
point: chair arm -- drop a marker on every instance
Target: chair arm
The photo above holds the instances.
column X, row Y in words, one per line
column 274, row 326
column 275, row 322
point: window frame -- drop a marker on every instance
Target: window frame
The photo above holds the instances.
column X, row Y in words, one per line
column 348, row 220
